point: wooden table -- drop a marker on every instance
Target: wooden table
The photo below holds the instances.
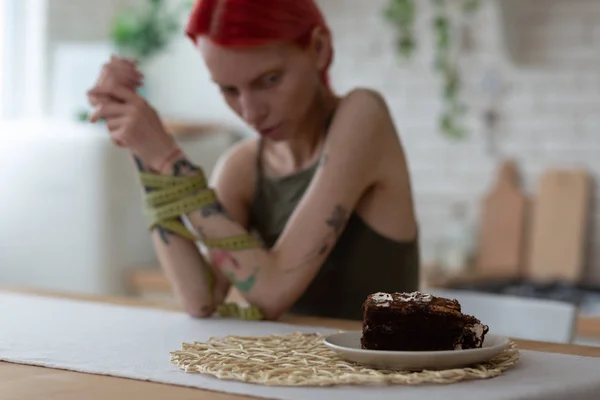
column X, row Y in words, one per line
column 25, row 382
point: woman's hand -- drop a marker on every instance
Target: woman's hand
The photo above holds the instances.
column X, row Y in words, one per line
column 118, row 71
column 132, row 122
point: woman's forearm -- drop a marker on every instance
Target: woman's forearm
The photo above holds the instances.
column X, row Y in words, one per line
column 184, row 266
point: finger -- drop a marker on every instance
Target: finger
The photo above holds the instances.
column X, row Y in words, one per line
column 95, row 100
column 127, row 68
column 118, row 136
column 121, row 75
column 125, row 72
column 117, row 142
column 108, row 110
column 115, row 124
column 116, row 91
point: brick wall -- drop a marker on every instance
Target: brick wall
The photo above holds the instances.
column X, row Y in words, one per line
column 546, row 54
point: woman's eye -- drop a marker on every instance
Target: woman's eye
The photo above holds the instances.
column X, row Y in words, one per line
column 229, row 91
column 271, row 79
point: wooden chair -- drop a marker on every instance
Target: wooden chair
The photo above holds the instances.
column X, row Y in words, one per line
column 518, row 317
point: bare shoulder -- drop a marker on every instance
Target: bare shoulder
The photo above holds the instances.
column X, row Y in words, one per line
column 236, row 158
column 234, row 174
column 368, row 97
column 362, row 117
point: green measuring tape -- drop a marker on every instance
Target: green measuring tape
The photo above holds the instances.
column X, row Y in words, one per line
column 235, row 243
column 234, row 310
column 170, row 197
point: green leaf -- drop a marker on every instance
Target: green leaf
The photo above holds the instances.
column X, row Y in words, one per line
column 401, row 15
column 470, row 6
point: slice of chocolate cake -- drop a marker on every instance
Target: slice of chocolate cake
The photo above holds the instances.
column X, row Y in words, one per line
column 418, row 322
column 473, row 334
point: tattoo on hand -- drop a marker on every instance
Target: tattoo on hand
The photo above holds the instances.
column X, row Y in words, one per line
column 183, row 166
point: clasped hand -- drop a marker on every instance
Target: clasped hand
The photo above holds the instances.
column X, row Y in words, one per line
column 131, row 121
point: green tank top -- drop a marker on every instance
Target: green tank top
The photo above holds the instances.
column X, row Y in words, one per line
column 362, row 261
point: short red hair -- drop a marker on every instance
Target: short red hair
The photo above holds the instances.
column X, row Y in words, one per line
column 256, row 22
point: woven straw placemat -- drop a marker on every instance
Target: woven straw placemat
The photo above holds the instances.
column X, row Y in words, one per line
column 301, row 359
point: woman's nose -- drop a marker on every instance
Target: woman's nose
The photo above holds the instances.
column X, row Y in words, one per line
column 254, row 111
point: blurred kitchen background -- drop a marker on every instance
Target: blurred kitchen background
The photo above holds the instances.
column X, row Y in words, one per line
column 497, row 103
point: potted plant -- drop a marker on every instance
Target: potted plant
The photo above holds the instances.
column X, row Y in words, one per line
column 142, row 33
column 401, row 14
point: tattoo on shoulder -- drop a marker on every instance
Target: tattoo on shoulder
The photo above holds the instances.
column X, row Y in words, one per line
column 182, row 167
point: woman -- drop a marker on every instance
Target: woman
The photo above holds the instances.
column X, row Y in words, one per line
column 325, row 185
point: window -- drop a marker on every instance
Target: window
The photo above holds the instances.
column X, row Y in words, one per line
column 22, row 59
column 7, row 24
column 2, row 56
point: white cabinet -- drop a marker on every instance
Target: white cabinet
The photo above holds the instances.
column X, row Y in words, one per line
column 70, row 206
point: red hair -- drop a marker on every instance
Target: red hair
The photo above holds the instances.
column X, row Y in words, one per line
column 234, row 23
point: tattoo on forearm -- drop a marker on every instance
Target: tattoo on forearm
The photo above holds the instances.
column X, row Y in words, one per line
column 215, row 209
column 138, row 163
column 244, row 285
column 337, row 219
column 162, row 232
column 222, row 257
column 140, row 166
column 337, row 222
column 182, row 167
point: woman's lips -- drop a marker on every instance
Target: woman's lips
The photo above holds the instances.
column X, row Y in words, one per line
column 269, row 131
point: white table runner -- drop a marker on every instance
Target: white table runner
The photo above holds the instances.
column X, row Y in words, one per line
column 135, row 343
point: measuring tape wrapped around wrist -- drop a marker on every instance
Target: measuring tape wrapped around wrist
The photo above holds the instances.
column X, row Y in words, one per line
column 169, row 197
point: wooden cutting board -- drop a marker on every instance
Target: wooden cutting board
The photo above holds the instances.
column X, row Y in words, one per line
column 503, row 212
column 559, row 226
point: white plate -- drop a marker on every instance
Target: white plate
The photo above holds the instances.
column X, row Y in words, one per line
column 347, row 345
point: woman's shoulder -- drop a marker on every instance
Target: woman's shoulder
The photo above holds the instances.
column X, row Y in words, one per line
column 365, row 104
column 241, row 153
column 362, row 119
column 235, row 166
column 361, row 97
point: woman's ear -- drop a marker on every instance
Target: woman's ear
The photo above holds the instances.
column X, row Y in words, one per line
column 320, row 45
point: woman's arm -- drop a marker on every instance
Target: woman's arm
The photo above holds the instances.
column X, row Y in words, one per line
column 184, row 266
column 273, row 279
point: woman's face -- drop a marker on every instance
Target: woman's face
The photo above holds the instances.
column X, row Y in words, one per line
column 271, row 87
